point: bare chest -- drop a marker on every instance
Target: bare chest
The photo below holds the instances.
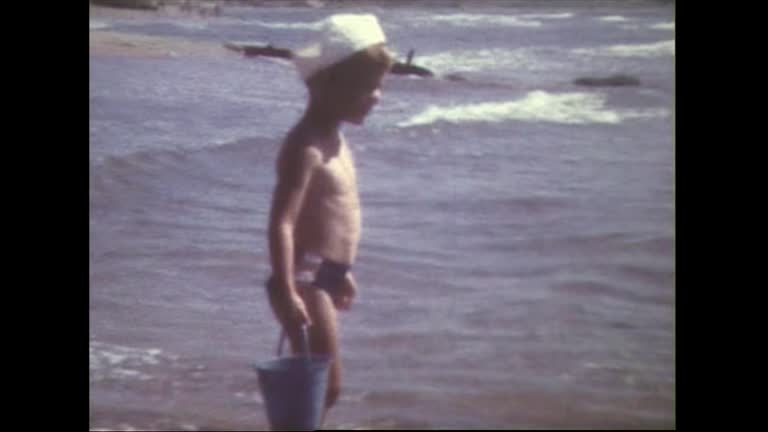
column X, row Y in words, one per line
column 337, row 175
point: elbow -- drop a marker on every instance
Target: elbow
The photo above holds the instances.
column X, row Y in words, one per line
column 280, row 229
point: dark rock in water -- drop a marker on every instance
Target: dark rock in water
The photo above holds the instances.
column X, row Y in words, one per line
column 409, row 69
column 455, row 77
column 260, row 50
column 267, row 51
column 615, row 80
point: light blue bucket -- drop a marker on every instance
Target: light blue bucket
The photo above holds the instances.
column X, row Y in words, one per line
column 293, row 388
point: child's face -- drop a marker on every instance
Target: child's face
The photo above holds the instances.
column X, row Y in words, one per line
column 357, row 95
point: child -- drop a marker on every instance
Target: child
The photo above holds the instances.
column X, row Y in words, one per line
column 315, row 220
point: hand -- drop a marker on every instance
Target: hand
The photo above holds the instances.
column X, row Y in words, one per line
column 346, row 294
column 297, row 311
column 287, row 305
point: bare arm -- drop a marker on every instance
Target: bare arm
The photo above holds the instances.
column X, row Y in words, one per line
column 294, row 172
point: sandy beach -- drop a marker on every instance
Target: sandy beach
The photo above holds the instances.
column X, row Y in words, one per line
column 96, row 11
column 105, row 42
column 124, row 44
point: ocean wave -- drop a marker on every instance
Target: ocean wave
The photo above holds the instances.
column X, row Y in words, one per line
column 647, row 50
column 613, row 18
column 481, row 20
column 314, row 25
column 644, row 114
column 658, row 49
column 536, row 106
column 663, row 26
column 121, row 362
column 190, row 25
column 563, row 15
column 97, row 25
column 135, row 161
column 483, row 59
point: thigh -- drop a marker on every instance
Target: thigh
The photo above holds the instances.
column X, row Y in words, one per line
column 323, row 333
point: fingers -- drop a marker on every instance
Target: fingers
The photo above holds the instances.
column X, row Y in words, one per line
column 339, row 302
column 303, row 315
column 305, row 319
column 342, row 302
column 299, row 314
column 343, row 299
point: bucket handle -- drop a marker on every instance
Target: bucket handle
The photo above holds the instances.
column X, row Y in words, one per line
column 304, row 341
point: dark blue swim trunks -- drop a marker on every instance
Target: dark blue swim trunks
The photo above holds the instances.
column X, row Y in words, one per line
column 329, row 277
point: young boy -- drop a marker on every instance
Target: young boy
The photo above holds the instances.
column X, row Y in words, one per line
column 314, row 224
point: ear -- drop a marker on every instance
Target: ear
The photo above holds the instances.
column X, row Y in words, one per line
column 320, row 83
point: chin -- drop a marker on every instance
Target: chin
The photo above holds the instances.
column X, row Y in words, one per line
column 357, row 120
column 360, row 117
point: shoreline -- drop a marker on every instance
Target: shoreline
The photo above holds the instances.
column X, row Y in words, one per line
column 112, row 43
column 214, row 7
column 99, row 11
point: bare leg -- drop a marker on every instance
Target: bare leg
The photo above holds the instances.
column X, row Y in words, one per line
column 323, row 339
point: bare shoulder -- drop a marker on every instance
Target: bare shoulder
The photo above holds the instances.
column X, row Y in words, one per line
column 298, row 156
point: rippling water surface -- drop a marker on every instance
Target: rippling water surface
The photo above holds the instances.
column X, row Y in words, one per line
column 517, row 265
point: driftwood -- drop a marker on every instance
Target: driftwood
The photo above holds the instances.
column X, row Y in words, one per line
column 260, row 50
column 399, row 68
column 408, row 69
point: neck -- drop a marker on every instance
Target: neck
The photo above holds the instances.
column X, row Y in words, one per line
column 322, row 116
column 318, row 123
column 322, row 121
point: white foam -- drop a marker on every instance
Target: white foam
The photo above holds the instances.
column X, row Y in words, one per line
column 563, row 15
column 613, row 18
column 113, row 359
column 122, row 373
column 120, row 362
column 97, row 25
column 154, row 352
column 647, row 50
column 645, row 114
column 484, row 59
column 192, row 25
column 315, row 25
column 536, row 106
column 251, row 397
column 663, row 26
column 240, row 43
column 475, row 20
column 658, row 49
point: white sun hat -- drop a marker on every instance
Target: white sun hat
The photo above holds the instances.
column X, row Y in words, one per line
column 339, row 36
